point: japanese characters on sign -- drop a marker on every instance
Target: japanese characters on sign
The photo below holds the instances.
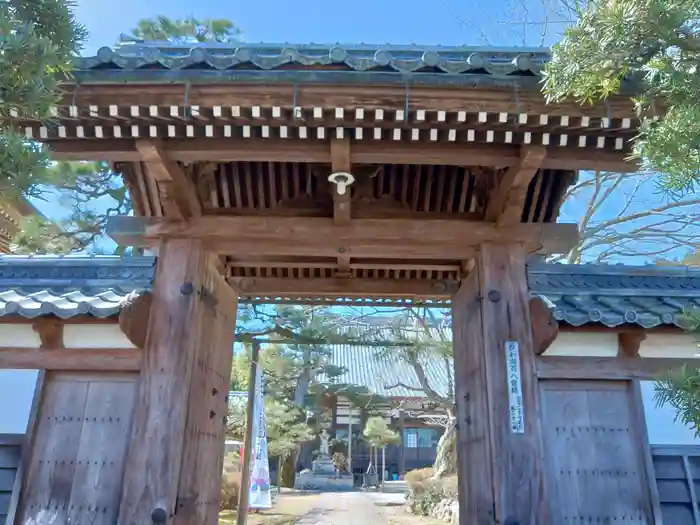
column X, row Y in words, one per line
column 515, row 388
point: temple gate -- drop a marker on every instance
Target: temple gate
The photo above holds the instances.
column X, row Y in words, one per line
column 333, row 176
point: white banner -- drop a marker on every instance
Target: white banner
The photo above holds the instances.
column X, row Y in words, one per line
column 515, row 387
column 260, row 496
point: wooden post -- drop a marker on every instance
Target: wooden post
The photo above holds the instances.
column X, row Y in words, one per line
column 152, row 470
column 500, row 453
column 350, row 445
column 173, row 467
column 244, row 494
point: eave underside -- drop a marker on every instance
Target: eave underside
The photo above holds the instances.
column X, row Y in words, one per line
column 451, row 169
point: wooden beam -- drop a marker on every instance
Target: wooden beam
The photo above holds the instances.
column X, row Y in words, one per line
column 363, row 152
column 79, row 359
column 491, row 99
column 178, row 193
column 612, row 368
column 362, row 238
column 506, row 202
column 346, row 287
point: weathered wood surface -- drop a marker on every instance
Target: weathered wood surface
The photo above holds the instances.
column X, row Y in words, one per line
column 76, row 459
column 596, row 472
column 133, row 318
column 155, row 451
column 491, row 309
column 544, row 326
column 199, row 489
column 491, row 99
column 363, row 152
column 348, row 287
column 612, row 368
column 371, row 238
column 87, row 359
column 474, row 448
column 506, row 202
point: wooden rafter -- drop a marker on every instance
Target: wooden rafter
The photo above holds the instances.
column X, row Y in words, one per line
column 506, row 203
column 178, row 192
column 320, row 237
column 317, row 151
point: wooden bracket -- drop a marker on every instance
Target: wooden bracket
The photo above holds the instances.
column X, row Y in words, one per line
column 544, row 326
column 50, row 332
column 177, row 190
column 133, row 318
column 629, row 342
column 506, row 203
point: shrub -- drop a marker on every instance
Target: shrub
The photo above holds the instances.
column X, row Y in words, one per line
column 425, row 492
column 230, row 482
column 418, row 480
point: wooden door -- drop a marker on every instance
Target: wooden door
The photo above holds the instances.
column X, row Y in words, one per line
column 76, row 459
column 593, row 438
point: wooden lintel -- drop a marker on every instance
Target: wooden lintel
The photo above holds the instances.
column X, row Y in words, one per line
column 178, row 192
column 361, row 238
column 363, row 152
column 78, row 359
column 612, row 368
column 346, row 287
column 506, row 202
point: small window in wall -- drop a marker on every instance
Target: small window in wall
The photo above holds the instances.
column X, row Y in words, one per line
column 677, row 472
column 420, row 438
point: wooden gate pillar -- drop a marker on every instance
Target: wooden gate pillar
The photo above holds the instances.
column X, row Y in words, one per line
column 174, row 463
column 500, row 453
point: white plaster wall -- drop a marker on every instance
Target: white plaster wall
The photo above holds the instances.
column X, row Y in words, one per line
column 593, row 344
column 19, row 336
column 661, row 427
column 670, row 345
column 16, row 394
column 94, row 336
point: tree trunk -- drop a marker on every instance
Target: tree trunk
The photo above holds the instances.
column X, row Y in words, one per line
column 446, row 454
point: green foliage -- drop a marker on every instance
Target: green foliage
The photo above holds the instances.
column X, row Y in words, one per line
column 378, row 433
column 681, row 390
column 38, row 40
column 656, row 44
column 285, row 426
column 187, row 30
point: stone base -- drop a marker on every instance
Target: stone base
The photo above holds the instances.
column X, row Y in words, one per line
column 324, row 483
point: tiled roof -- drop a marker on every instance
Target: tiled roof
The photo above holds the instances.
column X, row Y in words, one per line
column 580, row 294
column 71, row 285
column 368, row 366
column 231, row 62
column 647, row 296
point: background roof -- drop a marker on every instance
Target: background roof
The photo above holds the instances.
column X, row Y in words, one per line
column 647, row 296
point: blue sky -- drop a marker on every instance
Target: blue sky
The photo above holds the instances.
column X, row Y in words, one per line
column 502, row 23
column 448, row 22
